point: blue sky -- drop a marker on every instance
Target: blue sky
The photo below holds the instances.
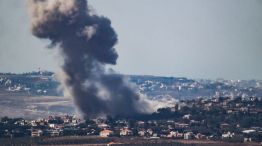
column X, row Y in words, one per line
column 195, row 39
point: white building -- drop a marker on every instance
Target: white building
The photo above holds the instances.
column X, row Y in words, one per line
column 228, row 135
column 105, row 133
column 189, row 135
column 36, row 133
column 125, row 132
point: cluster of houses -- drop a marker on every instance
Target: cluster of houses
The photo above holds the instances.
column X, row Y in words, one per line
column 244, row 136
column 22, row 84
column 52, row 126
column 185, row 126
column 231, row 105
column 154, row 129
column 55, row 126
column 173, row 131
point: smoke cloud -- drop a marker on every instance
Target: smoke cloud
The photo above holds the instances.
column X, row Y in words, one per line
column 86, row 42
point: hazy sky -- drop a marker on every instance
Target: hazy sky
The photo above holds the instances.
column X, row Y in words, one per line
column 190, row 38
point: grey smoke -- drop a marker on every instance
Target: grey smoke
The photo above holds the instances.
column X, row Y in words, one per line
column 86, row 42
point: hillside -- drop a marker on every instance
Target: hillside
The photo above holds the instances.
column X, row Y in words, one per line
column 36, row 94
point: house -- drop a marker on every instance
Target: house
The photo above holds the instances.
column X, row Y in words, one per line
column 67, row 119
column 141, row 133
column 59, row 127
column 179, row 135
column 200, row 136
column 125, row 132
column 227, row 135
column 189, row 135
column 75, row 121
column 33, row 123
column 187, row 116
column 247, row 134
column 106, row 133
column 172, row 134
column 248, row 131
column 149, row 132
column 52, row 125
column 155, row 135
column 36, row 133
column 175, row 134
column 21, row 122
column 247, row 139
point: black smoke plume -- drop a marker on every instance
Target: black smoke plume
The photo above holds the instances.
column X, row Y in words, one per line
column 86, row 42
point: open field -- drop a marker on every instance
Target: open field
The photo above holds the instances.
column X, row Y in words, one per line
column 215, row 143
column 113, row 141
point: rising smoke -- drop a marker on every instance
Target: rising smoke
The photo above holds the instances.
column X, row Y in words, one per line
column 86, row 43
